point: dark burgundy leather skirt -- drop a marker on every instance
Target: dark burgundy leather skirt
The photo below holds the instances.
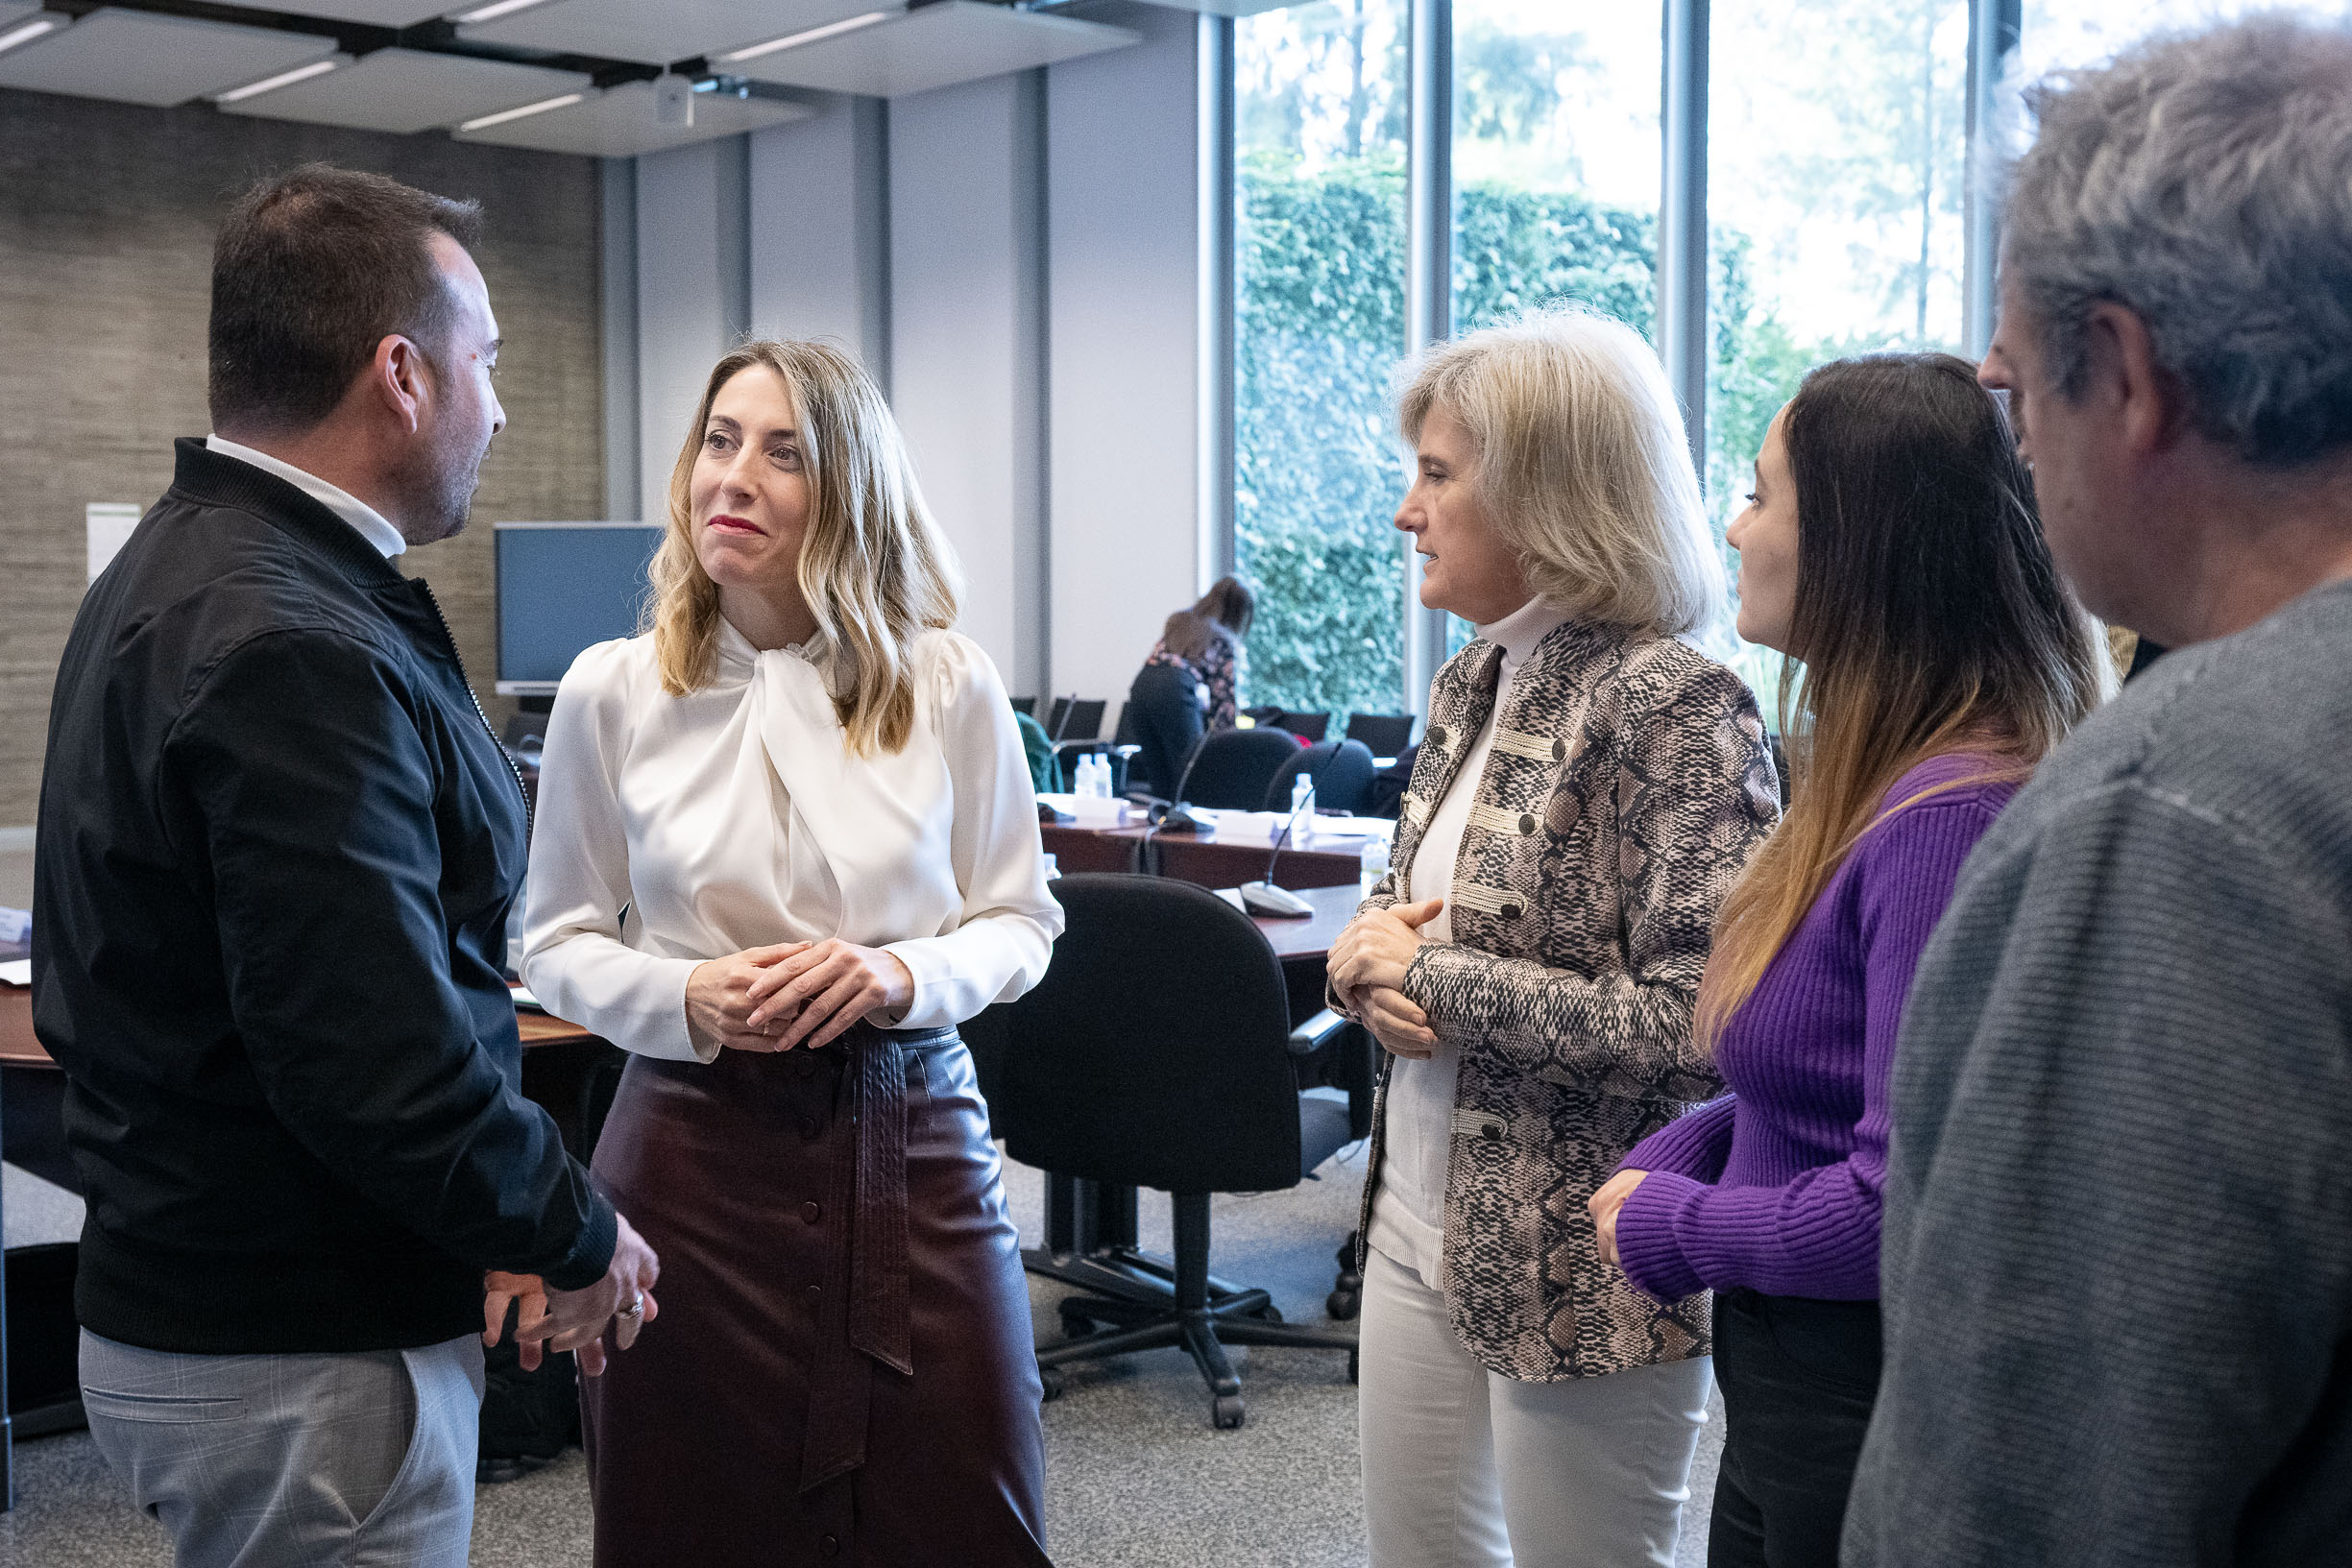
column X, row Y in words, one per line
column 842, row 1370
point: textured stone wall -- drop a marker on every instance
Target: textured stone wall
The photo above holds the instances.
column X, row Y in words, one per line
column 107, row 215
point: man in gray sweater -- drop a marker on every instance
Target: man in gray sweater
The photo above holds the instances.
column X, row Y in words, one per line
column 2118, row 1260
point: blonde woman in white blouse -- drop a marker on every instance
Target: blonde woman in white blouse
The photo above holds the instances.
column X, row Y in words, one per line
column 785, row 843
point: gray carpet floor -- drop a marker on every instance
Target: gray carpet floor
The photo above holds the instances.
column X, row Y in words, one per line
column 1136, row 1477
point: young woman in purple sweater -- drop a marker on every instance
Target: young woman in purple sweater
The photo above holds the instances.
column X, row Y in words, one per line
column 1891, row 549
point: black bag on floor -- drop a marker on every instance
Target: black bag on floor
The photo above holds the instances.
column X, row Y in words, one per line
column 528, row 1418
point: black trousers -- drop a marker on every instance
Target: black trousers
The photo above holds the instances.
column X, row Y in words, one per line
column 1799, row 1378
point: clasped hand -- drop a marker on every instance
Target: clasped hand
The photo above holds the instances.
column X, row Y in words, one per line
column 1604, row 1207
column 1368, row 971
column 793, row 993
column 576, row 1320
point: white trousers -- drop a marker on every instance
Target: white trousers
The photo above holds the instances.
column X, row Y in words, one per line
column 1466, row 1468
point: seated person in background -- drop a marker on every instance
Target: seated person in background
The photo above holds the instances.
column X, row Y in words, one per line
column 1942, row 660
column 1206, row 639
column 1044, row 764
column 1166, row 704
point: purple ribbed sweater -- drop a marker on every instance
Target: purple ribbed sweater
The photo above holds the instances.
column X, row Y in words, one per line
column 1775, row 1186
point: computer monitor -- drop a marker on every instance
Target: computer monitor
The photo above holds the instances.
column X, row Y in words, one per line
column 562, row 587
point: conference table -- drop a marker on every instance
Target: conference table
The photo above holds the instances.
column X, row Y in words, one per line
column 1236, row 850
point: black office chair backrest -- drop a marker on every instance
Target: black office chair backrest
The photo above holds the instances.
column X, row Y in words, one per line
column 1154, row 1052
column 1343, row 774
column 1308, row 726
column 1123, row 733
column 1384, row 734
column 1081, row 721
column 1233, row 767
column 1024, row 705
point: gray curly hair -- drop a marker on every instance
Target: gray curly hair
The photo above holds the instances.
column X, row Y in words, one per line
column 2205, row 181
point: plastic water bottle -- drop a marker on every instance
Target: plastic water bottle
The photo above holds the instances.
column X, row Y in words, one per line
column 1302, row 790
column 1094, row 774
column 1372, row 864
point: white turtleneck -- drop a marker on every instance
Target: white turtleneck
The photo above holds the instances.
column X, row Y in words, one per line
column 1409, row 1212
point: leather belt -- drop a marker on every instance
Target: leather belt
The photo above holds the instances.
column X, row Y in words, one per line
column 866, row 1322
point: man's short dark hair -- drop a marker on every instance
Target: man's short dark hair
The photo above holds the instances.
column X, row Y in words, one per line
column 312, row 269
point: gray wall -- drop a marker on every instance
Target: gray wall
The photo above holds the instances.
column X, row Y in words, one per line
column 107, row 213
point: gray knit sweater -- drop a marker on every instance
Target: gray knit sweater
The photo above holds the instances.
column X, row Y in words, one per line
column 2117, row 1254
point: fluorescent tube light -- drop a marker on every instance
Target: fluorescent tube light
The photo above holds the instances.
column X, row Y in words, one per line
column 33, row 29
column 284, row 79
column 793, row 41
column 488, row 120
column 504, row 8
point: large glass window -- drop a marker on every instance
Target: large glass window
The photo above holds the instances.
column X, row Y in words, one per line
column 1555, row 165
column 1837, row 151
column 1319, row 327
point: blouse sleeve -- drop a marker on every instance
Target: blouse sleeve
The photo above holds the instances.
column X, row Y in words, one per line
column 575, row 960
column 1005, row 938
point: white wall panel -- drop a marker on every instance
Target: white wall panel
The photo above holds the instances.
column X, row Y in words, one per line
column 820, row 230
column 1124, row 369
column 692, row 293
column 966, row 345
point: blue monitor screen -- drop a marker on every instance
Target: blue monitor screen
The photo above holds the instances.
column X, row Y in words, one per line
column 563, row 586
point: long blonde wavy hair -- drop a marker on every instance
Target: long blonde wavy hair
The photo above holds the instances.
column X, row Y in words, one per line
column 873, row 567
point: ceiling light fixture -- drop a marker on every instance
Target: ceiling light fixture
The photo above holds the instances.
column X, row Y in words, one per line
column 504, row 8
column 793, row 41
column 488, row 120
column 33, row 29
column 284, row 79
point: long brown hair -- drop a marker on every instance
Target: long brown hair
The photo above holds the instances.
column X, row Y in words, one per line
column 1929, row 616
column 873, row 568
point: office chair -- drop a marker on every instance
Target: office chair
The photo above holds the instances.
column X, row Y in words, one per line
column 1024, row 705
column 1307, row 726
column 1157, row 1053
column 1233, row 768
column 1078, row 720
column 1384, row 734
column 1343, row 774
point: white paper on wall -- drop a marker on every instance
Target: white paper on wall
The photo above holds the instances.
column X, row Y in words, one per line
column 110, row 524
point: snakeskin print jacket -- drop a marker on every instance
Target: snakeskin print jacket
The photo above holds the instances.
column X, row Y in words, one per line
column 1628, row 782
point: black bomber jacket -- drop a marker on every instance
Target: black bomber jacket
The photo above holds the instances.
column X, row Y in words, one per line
column 276, row 846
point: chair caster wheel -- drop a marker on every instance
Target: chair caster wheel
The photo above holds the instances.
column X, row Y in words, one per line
column 1344, row 1305
column 1226, row 1414
column 1075, row 1324
column 1351, row 1364
column 1050, row 1377
column 1267, row 1313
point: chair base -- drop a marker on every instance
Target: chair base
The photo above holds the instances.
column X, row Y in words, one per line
column 1148, row 1303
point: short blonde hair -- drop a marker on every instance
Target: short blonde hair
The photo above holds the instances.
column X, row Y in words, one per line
column 873, row 567
column 1582, row 466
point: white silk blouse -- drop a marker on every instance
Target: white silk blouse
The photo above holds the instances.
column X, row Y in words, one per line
column 671, row 831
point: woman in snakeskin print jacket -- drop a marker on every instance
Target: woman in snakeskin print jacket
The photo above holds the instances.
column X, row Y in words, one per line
column 1589, row 787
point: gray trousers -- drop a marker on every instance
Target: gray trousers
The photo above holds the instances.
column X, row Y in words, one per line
column 358, row 1461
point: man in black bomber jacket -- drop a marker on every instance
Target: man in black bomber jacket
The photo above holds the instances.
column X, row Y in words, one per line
column 276, row 846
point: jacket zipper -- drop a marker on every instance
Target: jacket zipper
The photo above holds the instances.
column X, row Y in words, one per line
column 450, row 638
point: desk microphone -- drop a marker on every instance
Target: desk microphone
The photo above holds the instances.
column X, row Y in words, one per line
column 1262, row 897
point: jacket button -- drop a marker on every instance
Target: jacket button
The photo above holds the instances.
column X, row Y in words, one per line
column 811, row 1212
column 1527, row 822
column 1514, row 909
column 828, row 1546
column 810, row 1129
column 1560, row 750
column 815, row 1293
column 1436, row 736
column 1490, row 1131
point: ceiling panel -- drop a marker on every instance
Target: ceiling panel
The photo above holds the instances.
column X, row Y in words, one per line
column 620, row 123
column 375, row 13
column 936, row 46
column 135, row 57
column 656, row 35
column 407, row 89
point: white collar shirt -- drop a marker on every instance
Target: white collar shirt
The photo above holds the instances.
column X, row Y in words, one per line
column 368, row 523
